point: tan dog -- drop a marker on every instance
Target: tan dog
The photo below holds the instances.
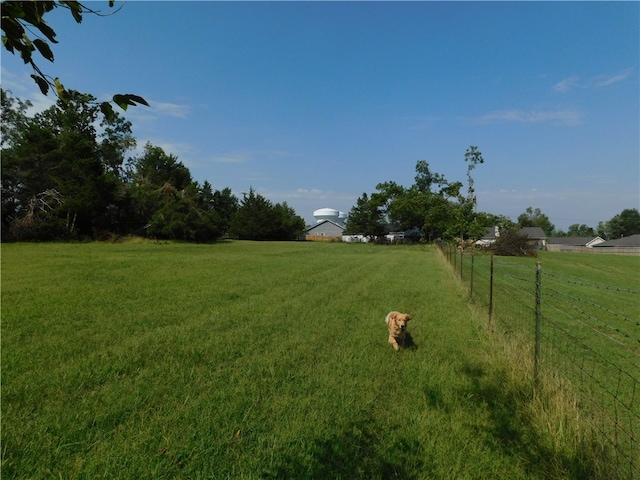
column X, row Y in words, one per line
column 397, row 324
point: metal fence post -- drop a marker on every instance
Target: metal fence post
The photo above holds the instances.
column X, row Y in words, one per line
column 455, row 258
column 491, row 297
column 461, row 262
column 536, row 364
column 473, row 256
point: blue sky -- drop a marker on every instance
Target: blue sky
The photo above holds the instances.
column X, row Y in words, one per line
column 314, row 103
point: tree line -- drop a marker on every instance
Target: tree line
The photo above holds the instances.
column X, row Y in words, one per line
column 66, row 175
column 62, row 178
column 436, row 208
column 623, row 224
column 433, row 206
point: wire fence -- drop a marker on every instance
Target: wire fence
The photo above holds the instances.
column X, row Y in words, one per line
column 583, row 332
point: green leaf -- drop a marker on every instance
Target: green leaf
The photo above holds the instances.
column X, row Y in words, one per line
column 123, row 101
column 76, row 9
column 42, row 83
column 47, row 31
column 6, row 42
column 107, row 111
column 43, row 48
column 60, row 90
column 12, row 29
column 137, row 99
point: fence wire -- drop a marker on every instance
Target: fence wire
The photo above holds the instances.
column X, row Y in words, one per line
column 588, row 335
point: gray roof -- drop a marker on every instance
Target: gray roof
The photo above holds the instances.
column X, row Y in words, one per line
column 322, row 222
column 573, row 241
column 490, row 233
column 630, row 241
column 533, row 233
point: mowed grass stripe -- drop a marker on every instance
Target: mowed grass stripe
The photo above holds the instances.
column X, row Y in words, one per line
column 252, row 360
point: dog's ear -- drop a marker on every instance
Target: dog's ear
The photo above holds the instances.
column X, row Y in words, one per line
column 407, row 318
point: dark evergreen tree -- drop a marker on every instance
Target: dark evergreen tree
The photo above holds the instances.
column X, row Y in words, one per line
column 258, row 219
column 366, row 218
column 58, row 154
column 226, row 205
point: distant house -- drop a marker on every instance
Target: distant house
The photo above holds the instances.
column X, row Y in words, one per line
column 355, row 238
column 537, row 237
column 588, row 242
column 632, row 241
column 490, row 236
column 412, row 235
column 324, row 228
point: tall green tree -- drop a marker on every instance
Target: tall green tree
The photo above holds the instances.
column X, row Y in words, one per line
column 181, row 215
column 626, row 223
column 288, row 225
column 59, row 151
column 473, row 157
column 425, row 179
column 258, row 219
column 433, row 204
column 367, row 217
column 64, row 178
column 580, row 230
column 165, row 201
column 409, row 209
column 445, row 211
column 14, row 117
column 535, row 218
column 503, row 222
column 226, row 205
column 157, row 168
column 470, row 226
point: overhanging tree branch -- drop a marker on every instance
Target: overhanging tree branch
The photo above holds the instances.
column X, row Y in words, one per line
column 22, row 21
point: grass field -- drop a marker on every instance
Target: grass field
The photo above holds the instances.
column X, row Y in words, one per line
column 258, row 360
column 589, row 332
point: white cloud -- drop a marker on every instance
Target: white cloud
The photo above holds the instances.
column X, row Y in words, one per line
column 599, row 81
column 558, row 117
column 170, row 109
column 606, row 80
column 422, row 123
column 230, row 157
column 23, row 87
column 180, row 150
column 156, row 110
column 313, row 194
column 566, row 84
column 245, row 156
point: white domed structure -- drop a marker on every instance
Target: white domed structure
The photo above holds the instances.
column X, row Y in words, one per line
column 330, row 214
column 326, row 214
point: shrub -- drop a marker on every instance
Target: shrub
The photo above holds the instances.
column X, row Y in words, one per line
column 513, row 244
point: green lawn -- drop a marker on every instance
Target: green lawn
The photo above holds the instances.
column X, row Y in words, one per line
column 257, row 360
column 589, row 333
